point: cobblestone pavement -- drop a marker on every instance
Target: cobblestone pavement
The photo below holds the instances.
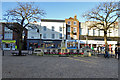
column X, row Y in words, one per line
column 58, row 67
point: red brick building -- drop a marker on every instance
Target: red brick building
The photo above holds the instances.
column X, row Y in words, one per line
column 10, row 37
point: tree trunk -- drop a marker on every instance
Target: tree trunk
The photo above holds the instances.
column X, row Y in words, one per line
column 24, row 43
column 20, row 43
column 105, row 39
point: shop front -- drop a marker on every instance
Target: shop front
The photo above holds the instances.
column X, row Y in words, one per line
column 77, row 44
column 37, row 43
column 33, row 43
column 8, row 44
column 51, row 44
column 97, row 45
column 72, row 44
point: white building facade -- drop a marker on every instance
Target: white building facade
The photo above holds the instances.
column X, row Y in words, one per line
column 48, row 33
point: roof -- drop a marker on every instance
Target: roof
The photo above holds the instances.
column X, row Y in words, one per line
column 9, row 22
column 51, row 20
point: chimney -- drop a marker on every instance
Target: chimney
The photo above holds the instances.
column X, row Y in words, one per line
column 75, row 17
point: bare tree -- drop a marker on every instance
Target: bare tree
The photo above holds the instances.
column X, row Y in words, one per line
column 105, row 16
column 23, row 14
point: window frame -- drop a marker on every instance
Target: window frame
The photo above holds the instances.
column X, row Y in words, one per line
column 93, row 32
column 44, row 35
column 60, row 28
column 44, row 28
column 52, row 36
column 75, row 22
column 53, row 28
column 69, row 23
column 74, row 28
column 60, row 36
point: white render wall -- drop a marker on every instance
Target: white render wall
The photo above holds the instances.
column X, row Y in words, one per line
column 84, row 26
column 33, row 34
column 48, row 32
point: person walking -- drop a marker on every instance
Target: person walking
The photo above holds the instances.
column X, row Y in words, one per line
column 116, row 52
column 107, row 53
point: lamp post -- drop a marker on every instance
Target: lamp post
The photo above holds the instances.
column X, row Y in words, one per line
column 63, row 36
column 40, row 34
column 62, row 43
column 23, row 38
column 87, row 39
column 40, row 39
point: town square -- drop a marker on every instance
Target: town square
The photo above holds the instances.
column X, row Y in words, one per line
column 60, row 40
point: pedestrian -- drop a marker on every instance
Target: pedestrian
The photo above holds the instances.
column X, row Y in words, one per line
column 107, row 53
column 98, row 50
column 116, row 52
column 93, row 50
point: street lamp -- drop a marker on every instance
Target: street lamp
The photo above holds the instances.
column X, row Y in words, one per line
column 87, row 39
column 23, row 35
column 40, row 39
column 63, row 43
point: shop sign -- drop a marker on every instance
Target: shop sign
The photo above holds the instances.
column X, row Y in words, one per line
column 8, row 41
column 48, row 41
column 82, row 42
column 101, row 42
column 72, row 41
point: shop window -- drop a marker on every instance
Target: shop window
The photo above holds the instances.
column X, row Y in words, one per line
column 59, row 45
column 65, row 50
column 53, row 51
column 7, row 45
column 48, row 50
column 59, row 50
column 50, row 45
column 75, row 36
column 71, row 51
column 77, row 51
column 94, row 45
column 68, row 37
